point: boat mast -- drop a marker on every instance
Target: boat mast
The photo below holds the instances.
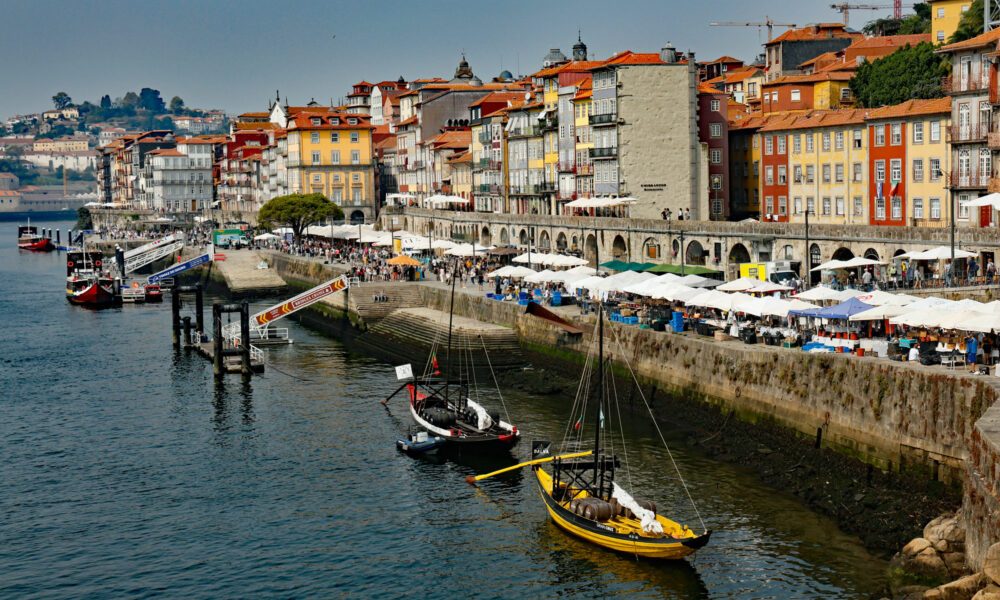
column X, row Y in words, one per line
column 600, row 391
column 451, row 317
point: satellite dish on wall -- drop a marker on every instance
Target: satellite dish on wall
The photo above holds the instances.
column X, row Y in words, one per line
column 527, row 96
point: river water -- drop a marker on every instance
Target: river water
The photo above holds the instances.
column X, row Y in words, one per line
column 128, row 472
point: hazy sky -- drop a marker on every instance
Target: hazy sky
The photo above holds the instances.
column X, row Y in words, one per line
column 234, row 54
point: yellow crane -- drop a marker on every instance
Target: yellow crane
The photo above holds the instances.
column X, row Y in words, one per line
column 766, row 23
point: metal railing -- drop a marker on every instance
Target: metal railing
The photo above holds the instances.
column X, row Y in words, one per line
column 975, row 80
column 603, row 119
column 976, row 132
column 603, row 152
column 971, row 179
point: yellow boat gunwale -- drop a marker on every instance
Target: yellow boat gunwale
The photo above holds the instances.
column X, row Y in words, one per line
column 670, row 548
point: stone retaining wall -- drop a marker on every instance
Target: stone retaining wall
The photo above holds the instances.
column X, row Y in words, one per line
column 981, row 503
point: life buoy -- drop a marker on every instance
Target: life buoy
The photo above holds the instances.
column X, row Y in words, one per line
column 69, row 263
column 97, row 263
column 135, row 284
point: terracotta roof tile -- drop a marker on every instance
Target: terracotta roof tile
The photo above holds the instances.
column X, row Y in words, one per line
column 981, row 40
column 912, row 108
column 818, row 31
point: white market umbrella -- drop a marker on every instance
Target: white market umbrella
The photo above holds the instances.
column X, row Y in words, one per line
column 941, row 253
column 767, row 287
column 265, row 236
column 879, row 298
column 739, row 285
column 991, row 200
column 543, row 276
column 832, row 265
column 282, row 230
column 985, row 323
column 820, row 293
column 879, row 313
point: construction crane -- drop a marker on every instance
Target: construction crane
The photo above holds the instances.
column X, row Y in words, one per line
column 767, row 23
column 845, row 8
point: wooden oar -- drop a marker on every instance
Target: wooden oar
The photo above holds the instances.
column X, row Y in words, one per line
column 537, row 461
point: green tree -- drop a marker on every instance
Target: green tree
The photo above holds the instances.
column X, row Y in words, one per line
column 298, row 211
column 105, row 101
column 131, row 99
column 176, row 104
column 910, row 72
column 150, row 100
column 83, row 219
column 919, row 22
column 971, row 24
column 61, row 100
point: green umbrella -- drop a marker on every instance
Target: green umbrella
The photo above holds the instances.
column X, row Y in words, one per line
column 616, row 265
column 688, row 270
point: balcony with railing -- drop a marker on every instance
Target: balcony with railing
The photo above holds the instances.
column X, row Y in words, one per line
column 567, row 167
column 587, row 169
column 603, row 119
column 484, row 138
column 483, row 188
column 968, row 180
column 974, row 80
column 993, row 140
column 993, row 185
column 596, row 153
column 482, row 163
column 546, row 187
column 976, row 132
column 520, row 132
column 549, row 124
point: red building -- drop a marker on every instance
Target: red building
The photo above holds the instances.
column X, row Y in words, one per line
column 887, row 173
column 774, row 170
column 713, row 130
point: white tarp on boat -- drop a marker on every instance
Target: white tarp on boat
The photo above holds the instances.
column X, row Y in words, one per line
column 648, row 517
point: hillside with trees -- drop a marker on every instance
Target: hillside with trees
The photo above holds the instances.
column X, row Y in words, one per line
column 912, row 72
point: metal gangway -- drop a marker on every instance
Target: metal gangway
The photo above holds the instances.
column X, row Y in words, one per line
column 136, row 258
column 260, row 323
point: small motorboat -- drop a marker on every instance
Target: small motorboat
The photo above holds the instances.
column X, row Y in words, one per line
column 419, row 443
column 154, row 293
column 28, row 238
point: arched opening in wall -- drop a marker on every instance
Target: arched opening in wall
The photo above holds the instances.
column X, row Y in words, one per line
column 561, row 242
column 842, row 254
column 651, row 249
column 675, row 248
column 898, row 252
column 484, row 236
column 738, row 254
column 576, row 243
column 695, row 254
column 815, row 259
column 590, row 249
column 357, row 216
column 618, row 249
column 504, row 237
column 544, row 241
column 406, row 223
column 871, row 254
column 523, row 237
column 788, row 253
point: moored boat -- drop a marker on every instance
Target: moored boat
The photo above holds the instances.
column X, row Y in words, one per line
column 28, row 238
column 419, row 443
column 92, row 291
column 153, row 293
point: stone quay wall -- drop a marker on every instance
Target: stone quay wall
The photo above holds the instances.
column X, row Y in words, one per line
column 981, row 502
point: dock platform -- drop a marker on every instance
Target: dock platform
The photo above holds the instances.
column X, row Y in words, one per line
column 230, row 364
column 240, row 271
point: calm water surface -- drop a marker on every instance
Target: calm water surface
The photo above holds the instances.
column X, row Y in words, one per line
column 127, row 472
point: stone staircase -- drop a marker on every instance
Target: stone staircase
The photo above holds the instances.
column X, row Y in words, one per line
column 410, row 333
column 398, row 295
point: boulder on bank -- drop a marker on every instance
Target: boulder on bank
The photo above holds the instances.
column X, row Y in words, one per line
column 946, row 533
column 960, row 589
column 991, row 564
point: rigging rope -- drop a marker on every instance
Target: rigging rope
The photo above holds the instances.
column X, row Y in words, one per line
column 658, row 431
column 495, row 382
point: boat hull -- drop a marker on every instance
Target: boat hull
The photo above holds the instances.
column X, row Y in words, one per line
column 95, row 295
column 480, row 444
column 600, row 534
column 40, row 245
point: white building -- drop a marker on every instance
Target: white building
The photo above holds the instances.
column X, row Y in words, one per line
column 172, row 181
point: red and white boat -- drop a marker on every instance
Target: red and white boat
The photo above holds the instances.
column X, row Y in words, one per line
column 28, row 238
column 91, row 291
column 154, row 293
column 87, row 284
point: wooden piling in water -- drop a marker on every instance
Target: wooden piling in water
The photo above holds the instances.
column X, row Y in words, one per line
column 217, row 358
column 245, row 365
column 187, row 332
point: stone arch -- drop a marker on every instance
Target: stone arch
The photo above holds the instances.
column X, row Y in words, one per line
column 357, row 216
column 675, row 248
column 561, row 241
column 843, row 253
column 695, row 253
column 576, row 243
column 651, row 249
column 544, row 241
column 523, row 237
column 504, row 237
column 871, row 253
column 406, row 223
column 590, row 248
column 898, row 252
column 484, row 237
column 788, row 252
column 618, row 249
column 738, row 254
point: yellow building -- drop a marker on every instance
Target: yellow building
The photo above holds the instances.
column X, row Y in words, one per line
column 945, row 15
column 923, row 124
column 832, row 90
column 827, row 166
column 63, row 144
column 330, row 153
column 582, row 109
column 461, row 174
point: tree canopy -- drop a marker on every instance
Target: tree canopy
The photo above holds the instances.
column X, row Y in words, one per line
column 150, row 100
column 908, row 73
column 176, row 104
column 971, row 24
column 298, row 211
column 61, row 100
column 919, row 22
column 105, row 101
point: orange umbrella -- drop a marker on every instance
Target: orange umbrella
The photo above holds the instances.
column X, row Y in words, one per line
column 403, row 260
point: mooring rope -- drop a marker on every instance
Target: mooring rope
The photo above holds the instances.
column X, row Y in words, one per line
column 495, row 382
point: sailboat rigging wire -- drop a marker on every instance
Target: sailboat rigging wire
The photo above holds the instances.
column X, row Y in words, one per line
column 628, row 471
column 658, row 431
column 495, row 382
column 580, row 397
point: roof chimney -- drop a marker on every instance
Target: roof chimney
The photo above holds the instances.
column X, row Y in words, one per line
column 668, row 53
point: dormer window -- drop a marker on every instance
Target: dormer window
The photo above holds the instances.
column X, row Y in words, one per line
column 316, row 121
column 352, row 121
column 334, row 121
